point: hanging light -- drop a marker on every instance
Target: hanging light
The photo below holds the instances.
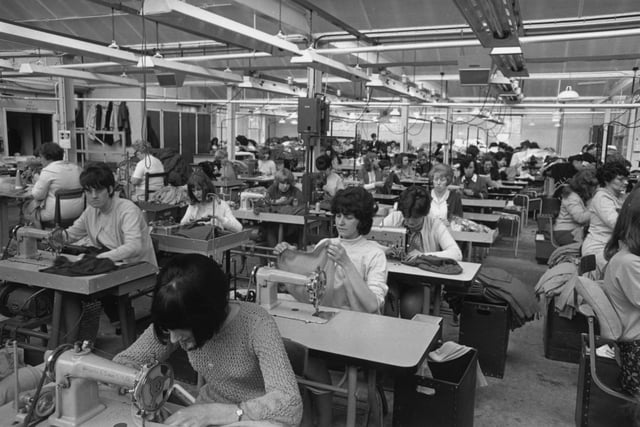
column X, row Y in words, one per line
column 568, row 95
column 113, row 44
column 282, row 121
column 556, row 116
column 395, row 113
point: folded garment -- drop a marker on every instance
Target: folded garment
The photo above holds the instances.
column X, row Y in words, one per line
column 435, row 264
column 89, row 265
column 448, row 351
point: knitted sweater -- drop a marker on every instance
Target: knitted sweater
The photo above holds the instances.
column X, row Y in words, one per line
column 245, row 363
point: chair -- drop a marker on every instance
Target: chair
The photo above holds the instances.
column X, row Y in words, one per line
column 597, row 306
column 58, row 220
column 545, row 226
column 550, row 205
column 508, row 225
column 148, row 176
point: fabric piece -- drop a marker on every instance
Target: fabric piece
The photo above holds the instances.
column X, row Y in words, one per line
column 567, row 253
column 89, row 265
column 435, row 264
column 245, row 363
column 630, row 366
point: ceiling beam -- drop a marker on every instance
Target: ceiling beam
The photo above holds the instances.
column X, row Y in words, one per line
column 309, row 5
column 193, row 70
column 280, row 12
column 34, row 70
column 7, row 65
column 195, row 20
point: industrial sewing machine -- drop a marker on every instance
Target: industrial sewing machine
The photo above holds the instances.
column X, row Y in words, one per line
column 28, row 238
column 74, row 399
column 247, row 199
column 267, row 280
column 394, row 238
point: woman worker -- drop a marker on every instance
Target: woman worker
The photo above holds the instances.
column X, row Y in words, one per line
column 574, row 212
column 369, row 173
column 148, row 164
column 622, row 286
column 360, row 276
column 403, row 167
column 604, row 209
column 333, row 181
column 426, row 235
column 201, row 207
column 281, row 193
column 235, row 346
column 57, row 174
column 115, row 226
column 445, row 203
column 473, row 185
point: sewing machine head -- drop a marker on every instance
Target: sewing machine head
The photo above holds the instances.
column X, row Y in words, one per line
column 77, row 372
column 247, row 198
column 27, row 239
column 394, row 238
column 267, row 279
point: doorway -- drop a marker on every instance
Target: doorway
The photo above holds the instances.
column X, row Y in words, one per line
column 27, row 131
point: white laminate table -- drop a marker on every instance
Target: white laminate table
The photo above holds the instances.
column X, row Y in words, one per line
column 363, row 339
column 484, row 203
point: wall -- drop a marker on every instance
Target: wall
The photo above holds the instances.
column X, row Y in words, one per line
column 19, row 104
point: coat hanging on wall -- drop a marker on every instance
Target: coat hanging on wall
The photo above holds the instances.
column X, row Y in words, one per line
column 108, row 137
column 124, row 125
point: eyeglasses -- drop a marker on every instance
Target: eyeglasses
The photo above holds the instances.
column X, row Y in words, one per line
column 439, row 178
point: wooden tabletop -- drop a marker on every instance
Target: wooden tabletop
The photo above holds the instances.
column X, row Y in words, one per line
column 475, row 237
column 484, row 203
column 370, row 338
column 26, row 271
column 268, row 217
column 469, row 272
column 481, row 217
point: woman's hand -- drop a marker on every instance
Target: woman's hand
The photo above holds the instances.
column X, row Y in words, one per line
column 413, row 255
column 283, row 246
column 468, row 192
column 338, row 254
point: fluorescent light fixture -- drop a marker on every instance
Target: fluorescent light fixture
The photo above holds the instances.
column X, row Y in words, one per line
column 408, row 90
column 568, row 95
column 494, row 22
column 395, row 113
column 556, row 116
column 7, row 65
column 195, row 20
column 504, row 85
column 310, row 58
column 270, row 86
column 510, row 61
column 42, row 71
column 282, row 121
column 190, row 69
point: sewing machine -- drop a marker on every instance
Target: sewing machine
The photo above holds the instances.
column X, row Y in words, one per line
column 394, row 238
column 267, row 280
column 27, row 239
column 247, row 198
column 77, row 372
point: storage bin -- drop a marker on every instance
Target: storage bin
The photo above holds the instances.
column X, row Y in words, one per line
column 561, row 337
column 453, row 399
column 595, row 408
column 485, row 326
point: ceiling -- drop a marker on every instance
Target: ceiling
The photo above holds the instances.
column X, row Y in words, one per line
column 568, row 42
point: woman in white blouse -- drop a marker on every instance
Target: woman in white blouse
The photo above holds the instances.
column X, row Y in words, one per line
column 445, row 203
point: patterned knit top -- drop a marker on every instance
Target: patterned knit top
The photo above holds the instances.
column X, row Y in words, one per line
column 245, row 363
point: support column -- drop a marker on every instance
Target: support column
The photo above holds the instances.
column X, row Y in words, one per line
column 231, row 122
column 67, row 115
column 404, row 110
column 605, row 133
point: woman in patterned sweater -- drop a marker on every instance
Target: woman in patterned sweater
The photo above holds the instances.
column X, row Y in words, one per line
column 235, row 346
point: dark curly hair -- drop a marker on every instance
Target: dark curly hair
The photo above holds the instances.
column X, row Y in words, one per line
column 609, row 171
column 466, row 161
column 97, row 176
column 191, row 292
column 358, row 202
column 51, row 151
column 583, row 184
column 627, row 228
column 414, row 202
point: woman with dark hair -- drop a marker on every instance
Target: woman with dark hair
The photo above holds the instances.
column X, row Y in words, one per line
column 360, row 281
column 403, row 167
column 622, row 286
column 333, row 181
column 57, row 174
column 574, row 214
column 235, row 346
column 334, row 158
column 266, row 166
column 473, row 185
column 445, row 203
column 370, row 174
column 604, row 210
column 425, row 236
column 201, row 207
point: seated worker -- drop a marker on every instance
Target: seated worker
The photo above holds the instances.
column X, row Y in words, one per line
column 148, row 164
column 57, row 174
column 574, row 212
column 333, row 181
column 114, row 225
column 201, row 207
column 403, row 167
column 473, row 185
column 234, row 346
column 286, row 198
column 622, row 285
column 425, row 235
column 445, row 203
column 266, row 166
column 369, row 173
column 360, row 276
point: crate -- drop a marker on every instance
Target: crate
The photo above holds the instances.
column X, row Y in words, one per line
column 561, row 337
column 453, row 399
column 595, row 408
column 161, row 211
column 485, row 326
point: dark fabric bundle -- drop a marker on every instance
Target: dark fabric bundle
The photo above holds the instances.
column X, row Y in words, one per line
column 435, row 264
column 89, row 265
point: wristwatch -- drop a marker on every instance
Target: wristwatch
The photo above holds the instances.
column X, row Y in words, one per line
column 239, row 413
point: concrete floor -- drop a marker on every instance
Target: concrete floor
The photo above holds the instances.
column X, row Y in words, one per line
column 534, row 392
